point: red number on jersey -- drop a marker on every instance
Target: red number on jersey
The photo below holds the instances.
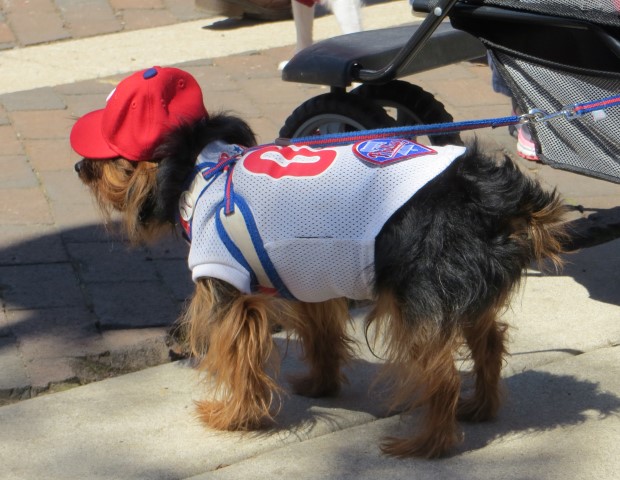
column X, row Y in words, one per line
column 291, row 161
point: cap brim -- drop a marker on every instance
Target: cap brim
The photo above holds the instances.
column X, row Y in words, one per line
column 87, row 140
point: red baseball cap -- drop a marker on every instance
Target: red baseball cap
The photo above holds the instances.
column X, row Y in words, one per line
column 139, row 112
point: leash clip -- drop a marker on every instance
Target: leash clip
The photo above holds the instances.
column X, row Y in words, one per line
column 536, row 115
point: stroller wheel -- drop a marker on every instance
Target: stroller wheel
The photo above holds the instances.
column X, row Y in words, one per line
column 409, row 104
column 334, row 113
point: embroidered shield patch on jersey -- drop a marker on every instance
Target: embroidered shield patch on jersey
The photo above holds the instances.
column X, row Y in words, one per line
column 383, row 151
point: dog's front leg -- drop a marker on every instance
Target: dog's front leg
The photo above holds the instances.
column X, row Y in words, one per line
column 231, row 332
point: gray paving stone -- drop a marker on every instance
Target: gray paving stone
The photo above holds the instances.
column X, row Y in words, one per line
column 184, row 10
column 28, row 244
column 11, row 144
column 64, row 187
column 24, row 206
column 36, row 27
column 82, row 104
column 133, row 304
column 4, row 325
column 85, row 18
column 37, row 124
column 17, row 172
column 137, row 19
column 50, row 154
column 56, row 332
column 40, row 286
column 39, row 99
column 14, row 376
column 101, row 86
column 80, row 222
column 81, row 226
column 111, row 262
column 71, row 203
column 131, row 350
column 4, row 119
column 137, row 4
column 175, row 274
column 43, row 373
column 7, row 38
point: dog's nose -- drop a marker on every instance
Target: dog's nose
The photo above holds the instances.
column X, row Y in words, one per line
column 78, row 166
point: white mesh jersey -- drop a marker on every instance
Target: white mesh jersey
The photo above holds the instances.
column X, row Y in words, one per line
column 305, row 220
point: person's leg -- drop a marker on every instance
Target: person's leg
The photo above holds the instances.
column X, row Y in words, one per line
column 304, row 18
column 348, row 14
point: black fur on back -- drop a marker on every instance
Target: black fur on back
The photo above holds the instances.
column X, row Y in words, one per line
column 461, row 241
column 177, row 155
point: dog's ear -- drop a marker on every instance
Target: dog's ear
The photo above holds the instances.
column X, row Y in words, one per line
column 175, row 160
column 140, row 180
column 176, row 157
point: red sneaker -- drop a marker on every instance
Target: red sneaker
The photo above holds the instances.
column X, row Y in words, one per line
column 526, row 148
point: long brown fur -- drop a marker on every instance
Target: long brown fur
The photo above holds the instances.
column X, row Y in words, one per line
column 123, row 186
column 322, row 330
column 419, row 371
column 231, row 333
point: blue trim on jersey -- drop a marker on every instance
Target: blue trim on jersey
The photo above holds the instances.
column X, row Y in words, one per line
column 188, row 232
column 199, row 167
column 257, row 242
column 232, row 248
column 209, row 171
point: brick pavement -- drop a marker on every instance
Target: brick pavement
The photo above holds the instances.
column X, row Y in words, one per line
column 31, row 22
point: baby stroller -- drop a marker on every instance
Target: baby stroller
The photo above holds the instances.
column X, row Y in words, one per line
column 551, row 53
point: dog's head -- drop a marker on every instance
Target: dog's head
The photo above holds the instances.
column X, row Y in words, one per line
column 119, row 144
column 126, row 187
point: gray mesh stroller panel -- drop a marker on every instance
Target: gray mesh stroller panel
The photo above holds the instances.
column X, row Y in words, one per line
column 590, row 144
column 603, row 12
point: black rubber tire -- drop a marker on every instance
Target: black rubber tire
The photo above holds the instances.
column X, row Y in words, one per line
column 335, row 113
column 414, row 106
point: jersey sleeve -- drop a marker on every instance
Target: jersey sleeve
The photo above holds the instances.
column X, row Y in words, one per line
column 209, row 257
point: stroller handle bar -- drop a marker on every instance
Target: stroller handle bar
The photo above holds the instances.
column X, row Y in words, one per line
column 410, row 50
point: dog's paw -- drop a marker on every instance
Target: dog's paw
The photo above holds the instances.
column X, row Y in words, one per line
column 228, row 416
column 423, row 446
column 313, row 387
column 474, row 410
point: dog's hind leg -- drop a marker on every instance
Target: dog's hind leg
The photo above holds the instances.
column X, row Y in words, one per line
column 321, row 327
column 485, row 338
column 421, row 372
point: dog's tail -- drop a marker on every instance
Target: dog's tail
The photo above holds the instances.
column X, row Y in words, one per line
column 529, row 217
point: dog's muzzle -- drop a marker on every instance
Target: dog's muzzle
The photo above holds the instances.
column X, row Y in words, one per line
column 78, row 166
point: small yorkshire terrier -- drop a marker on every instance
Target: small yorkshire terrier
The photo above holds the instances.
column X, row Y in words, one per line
column 438, row 238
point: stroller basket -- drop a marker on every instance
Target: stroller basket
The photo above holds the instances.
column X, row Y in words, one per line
column 552, row 54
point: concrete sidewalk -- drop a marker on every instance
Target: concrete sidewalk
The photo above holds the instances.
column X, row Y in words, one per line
column 560, row 421
column 78, row 306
